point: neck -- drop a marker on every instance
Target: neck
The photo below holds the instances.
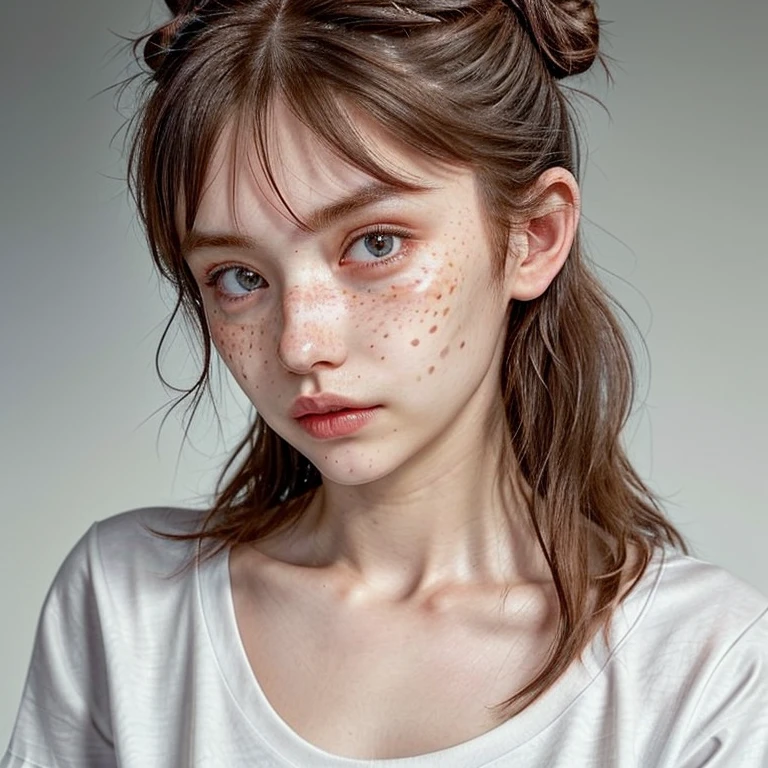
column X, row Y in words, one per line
column 454, row 516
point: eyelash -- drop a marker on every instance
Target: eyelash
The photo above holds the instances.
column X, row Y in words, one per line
column 380, row 229
column 212, row 276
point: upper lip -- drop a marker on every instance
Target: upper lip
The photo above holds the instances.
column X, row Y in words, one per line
column 326, row 403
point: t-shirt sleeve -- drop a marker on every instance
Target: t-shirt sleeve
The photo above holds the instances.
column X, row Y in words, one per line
column 729, row 726
column 64, row 716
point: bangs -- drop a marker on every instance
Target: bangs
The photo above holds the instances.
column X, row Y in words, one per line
column 332, row 81
column 332, row 119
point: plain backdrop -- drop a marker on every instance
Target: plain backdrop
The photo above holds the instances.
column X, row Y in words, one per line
column 675, row 208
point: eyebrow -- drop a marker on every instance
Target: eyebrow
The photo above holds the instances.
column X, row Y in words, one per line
column 317, row 221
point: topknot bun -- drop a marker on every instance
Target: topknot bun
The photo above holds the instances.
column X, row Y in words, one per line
column 567, row 32
column 177, row 7
column 160, row 42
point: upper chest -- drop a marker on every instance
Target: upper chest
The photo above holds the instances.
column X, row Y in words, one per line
column 384, row 681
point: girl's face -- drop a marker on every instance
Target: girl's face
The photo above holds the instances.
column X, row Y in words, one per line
column 387, row 309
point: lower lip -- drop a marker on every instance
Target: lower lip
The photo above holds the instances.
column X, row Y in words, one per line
column 325, row 426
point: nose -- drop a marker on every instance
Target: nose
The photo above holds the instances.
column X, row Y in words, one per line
column 311, row 333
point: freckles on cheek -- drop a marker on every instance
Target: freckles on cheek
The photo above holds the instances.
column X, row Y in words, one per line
column 415, row 319
column 418, row 315
column 234, row 342
column 240, row 345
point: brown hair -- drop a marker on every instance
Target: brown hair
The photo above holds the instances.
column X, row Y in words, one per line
column 486, row 74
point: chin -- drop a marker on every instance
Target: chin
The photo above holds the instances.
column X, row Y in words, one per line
column 351, row 470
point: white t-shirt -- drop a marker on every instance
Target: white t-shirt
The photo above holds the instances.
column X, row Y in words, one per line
column 131, row 668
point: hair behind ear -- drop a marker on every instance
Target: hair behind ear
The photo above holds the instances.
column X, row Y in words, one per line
column 568, row 385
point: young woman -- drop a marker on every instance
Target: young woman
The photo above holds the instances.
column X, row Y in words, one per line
column 430, row 548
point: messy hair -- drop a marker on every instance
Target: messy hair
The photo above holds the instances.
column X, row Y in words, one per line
column 470, row 83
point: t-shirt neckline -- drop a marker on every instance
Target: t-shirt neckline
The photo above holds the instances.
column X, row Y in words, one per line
column 217, row 606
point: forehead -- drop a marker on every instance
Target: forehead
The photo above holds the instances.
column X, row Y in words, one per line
column 306, row 174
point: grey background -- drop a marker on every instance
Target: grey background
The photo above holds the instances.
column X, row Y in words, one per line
column 675, row 204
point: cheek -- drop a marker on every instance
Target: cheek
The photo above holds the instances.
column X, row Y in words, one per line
column 244, row 348
column 416, row 325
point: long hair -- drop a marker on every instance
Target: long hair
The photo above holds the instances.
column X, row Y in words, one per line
column 472, row 83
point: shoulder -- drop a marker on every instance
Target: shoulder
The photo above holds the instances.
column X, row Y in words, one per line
column 684, row 606
column 121, row 587
column 125, row 553
column 710, row 612
column 685, row 598
column 134, row 536
column 692, row 646
column 109, row 617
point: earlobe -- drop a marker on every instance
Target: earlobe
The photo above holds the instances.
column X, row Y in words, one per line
column 544, row 242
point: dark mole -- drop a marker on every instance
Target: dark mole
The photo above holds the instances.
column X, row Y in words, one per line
column 431, row 369
column 439, row 296
column 463, row 344
column 383, row 357
column 415, row 343
column 386, row 335
column 433, row 329
column 245, row 376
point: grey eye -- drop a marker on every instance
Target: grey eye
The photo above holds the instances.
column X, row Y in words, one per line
column 374, row 246
column 239, row 281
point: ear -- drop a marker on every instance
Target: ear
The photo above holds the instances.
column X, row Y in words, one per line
column 540, row 245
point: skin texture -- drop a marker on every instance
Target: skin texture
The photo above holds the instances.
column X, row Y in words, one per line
column 413, row 498
column 411, row 596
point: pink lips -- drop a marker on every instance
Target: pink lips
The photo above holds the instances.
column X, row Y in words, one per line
column 328, row 416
